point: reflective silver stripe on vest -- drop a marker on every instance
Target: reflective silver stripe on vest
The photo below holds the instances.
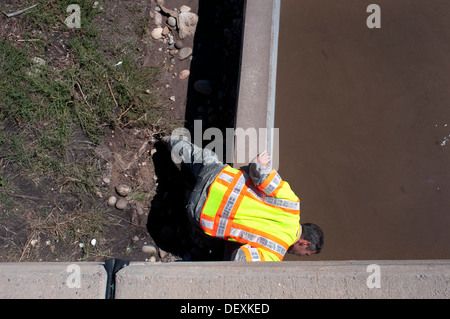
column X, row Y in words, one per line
column 272, row 185
column 207, row 223
column 226, row 177
column 269, row 244
column 225, row 214
column 253, row 252
column 284, row 203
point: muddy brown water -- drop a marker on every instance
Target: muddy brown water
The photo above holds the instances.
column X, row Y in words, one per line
column 364, row 118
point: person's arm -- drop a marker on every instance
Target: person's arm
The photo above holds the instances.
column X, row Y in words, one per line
column 260, row 168
column 268, row 180
column 263, row 176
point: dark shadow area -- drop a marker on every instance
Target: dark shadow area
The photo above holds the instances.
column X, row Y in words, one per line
column 168, row 223
column 215, row 67
column 212, row 98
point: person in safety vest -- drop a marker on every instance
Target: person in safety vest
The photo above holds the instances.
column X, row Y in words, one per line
column 258, row 211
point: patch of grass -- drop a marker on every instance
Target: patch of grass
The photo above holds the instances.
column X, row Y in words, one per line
column 67, row 234
column 5, row 187
column 51, row 119
column 46, row 106
column 117, row 95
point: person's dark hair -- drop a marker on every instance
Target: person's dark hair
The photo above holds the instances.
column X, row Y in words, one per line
column 313, row 234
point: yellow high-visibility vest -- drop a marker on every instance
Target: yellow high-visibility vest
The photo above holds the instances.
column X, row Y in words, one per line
column 265, row 219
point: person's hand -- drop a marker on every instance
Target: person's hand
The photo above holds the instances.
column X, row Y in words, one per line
column 263, row 159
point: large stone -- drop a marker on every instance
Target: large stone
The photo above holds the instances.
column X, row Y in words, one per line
column 157, row 33
column 184, row 74
column 187, row 24
column 158, row 19
column 172, row 21
column 184, row 53
column 150, row 249
column 123, row 190
column 122, row 204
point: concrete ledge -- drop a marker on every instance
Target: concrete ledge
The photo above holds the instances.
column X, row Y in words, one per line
column 230, row 280
column 324, row 279
column 52, row 280
column 256, row 101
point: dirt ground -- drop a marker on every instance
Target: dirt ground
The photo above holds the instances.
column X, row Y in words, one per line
column 154, row 213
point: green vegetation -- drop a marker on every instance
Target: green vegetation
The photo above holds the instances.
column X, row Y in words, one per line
column 48, row 105
column 52, row 116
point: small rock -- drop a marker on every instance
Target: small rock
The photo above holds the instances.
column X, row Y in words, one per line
column 112, row 201
column 152, row 259
column 172, row 98
column 172, row 21
column 165, row 31
column 185, row 8
column 93, row 242
column 139, row 209
column 39, row 61
column 135, row 239
column 203, row 87
column 184, row 74
column 158, row 19
column 123, row 190
column 121, row 204
column 179, row 45
column 157, row 33
column 187, row 24
column 184, row 53
column 150, row 249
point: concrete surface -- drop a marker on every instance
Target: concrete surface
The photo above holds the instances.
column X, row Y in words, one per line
column 230, row 280
column 319, row 279
column 52, row 280
column 256, row 101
